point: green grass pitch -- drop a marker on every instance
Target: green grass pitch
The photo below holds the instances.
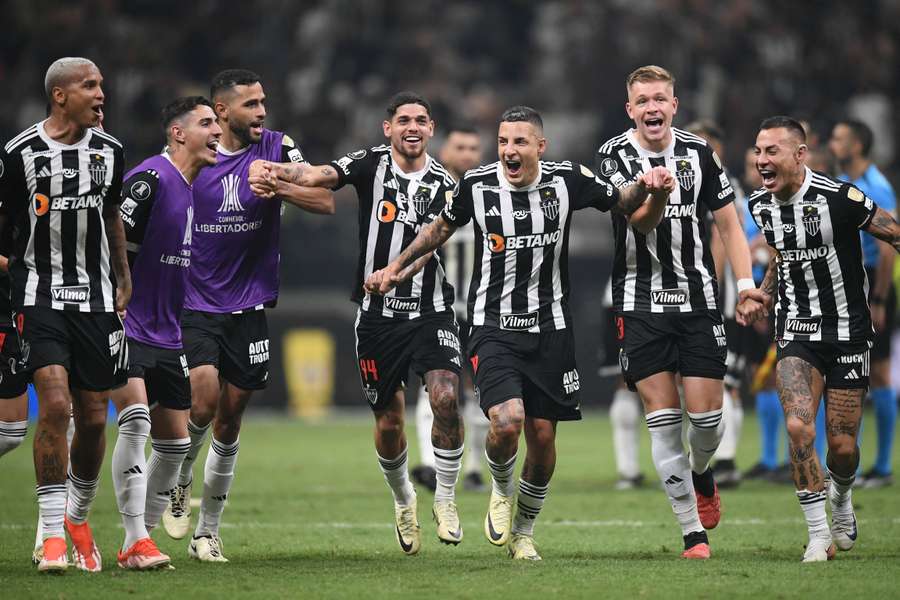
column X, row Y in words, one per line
column 310, row 516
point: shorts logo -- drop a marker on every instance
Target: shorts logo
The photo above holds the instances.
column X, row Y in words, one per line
column 368, row 369
column 97, row 168
column 259, row 352
column 684, row 173
column 387, row 211
column 519, row 322
column 402, row 304
column 623, row 359
column 116, row 339
column 811, row 220
column 474, row 361
column 75, row 294
column 371, row 395
column 570, row 381
column 41, row 204
column 719, row 333
column 184, row 366
column 803, row 326
column 671, row 297
column 783, row 344
column 448, row 339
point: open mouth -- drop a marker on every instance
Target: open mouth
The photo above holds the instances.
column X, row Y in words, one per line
column 768, row 177
column 256, row 128
column 654, row 125
column 213, row 145
column 98, row 110
column 513, row 167
column 412, row 139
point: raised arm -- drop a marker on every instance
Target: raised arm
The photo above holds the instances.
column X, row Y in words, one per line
column 317, row 200
column 644, row 201
column 265, row 176
column 430, row 238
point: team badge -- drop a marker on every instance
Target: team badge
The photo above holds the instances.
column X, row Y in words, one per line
column 811, row 220
column 608, row 167
column 684, row 173
column 421, row 199
column 549, row 203
column 97, row 168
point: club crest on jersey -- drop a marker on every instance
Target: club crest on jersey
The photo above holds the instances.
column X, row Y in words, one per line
column 684, row 173
column 811, row 220
column 97, row 168
column 421, row 199
column 549, row 203
column 230, row 200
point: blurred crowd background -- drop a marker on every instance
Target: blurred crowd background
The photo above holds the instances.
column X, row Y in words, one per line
column 329, row 66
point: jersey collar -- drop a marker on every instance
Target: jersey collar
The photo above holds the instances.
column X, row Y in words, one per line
column 807, row 179
column 506, row 185
column 643, row 152
column 82, row 143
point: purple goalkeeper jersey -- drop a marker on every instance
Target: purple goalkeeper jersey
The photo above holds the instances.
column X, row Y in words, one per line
column 234, row 265
column 156, row 210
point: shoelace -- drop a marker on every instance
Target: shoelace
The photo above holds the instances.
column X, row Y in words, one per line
column 214, row 547
column 146, row 548
column 407, row 522
column 176, row 497
column 448, row 514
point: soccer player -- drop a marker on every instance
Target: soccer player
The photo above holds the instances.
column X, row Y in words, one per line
column 233, row 277
column 401, row 188
column 851, row 141
column 60, row 188
column 460, row 152
column 157, row 208
column 664, row 289
column 521, row 345
column 823, row 327
column 13, row 385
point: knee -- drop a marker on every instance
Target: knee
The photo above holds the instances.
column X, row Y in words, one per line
column 800, row 432
column 389, row 424
column 542, row 437
column 92, row 422
column 842, row 447
column 508, row 428
column 444, row 402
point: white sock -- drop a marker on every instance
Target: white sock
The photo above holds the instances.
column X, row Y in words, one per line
column 813, row 505
column 162, row 475
column 424, row 423
column 624, row 414
column 673, row 467
column 51, row 510
column 129, row 470
column 396, row 474
column 733, row 422
column 39, row 533
column 477, row 426
column 704, row 434
column 502, row 476
column 217, row 478
column 841, row 493
column 198, row 438
column 70, row 431
column 528, row 506
column 12, row 433
column 446, row 465
column 81, row 493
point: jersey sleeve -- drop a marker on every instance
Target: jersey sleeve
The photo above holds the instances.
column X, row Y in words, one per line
column 137, row 206
column 354, row 167
column 715, row 191
column 114, row 193
column 459, row 206
column 858, row 209
column 290, row 151
column 12, row 183
column 590, row 190
column 610, row 167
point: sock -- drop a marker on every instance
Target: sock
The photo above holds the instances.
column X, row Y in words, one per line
column 162, row 475
column 446, row 465
column 51, row 509
column 198, row 438
column 81, row 493
column 70, row 431
column 821, row 440
column 424, row 423
column 502, row 476
column 624, row 414
column 39, row 533
column 813, row 505
column 217, row 477
column 704, row 433
column 396, row 474
column 886, row 419
column 841, row 488
column 733, row 419
column 129, row 470
column 673, row 466
column 12, row 433
column 768, row 411
column 477, row 426
column 528, row 506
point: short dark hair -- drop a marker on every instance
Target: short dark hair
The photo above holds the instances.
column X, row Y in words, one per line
column 789, row 123
column 862, row 133
column 180, row 107
column 401, row 98
column 229, row 78
column 462, row 128
column 522, row 113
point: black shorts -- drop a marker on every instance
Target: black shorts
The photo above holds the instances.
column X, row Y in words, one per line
column 737, row 338
column 692, row 344
column 237, row 344
column 91, row 346
column 609, row 349
column 13, row 381
column 539, row 368
column 844, row 365
column 165, row 374
column 881, row 349
column 387, row 348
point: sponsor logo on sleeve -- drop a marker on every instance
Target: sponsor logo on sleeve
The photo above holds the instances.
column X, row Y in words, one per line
column 295, row 155
column 140, row 190
column 519, row 321
column 608, row 167
column 128, row 205
column 357, row 154
column 855, row 195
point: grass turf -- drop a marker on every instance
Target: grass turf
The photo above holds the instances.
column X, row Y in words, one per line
column 311, row 516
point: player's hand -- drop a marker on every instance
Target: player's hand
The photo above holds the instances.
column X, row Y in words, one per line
column 752, row 306
column 123, row 296
column 658, row 181
column 382, row 281
column 262, row 179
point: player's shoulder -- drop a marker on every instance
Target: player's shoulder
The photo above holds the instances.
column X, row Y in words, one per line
column 557, row 167
column 758, row 195
column 483, row 174
column 826, row 184
column 105, row 138
column 689, row 139
column 440, row 173
column 613, row 143
column 22, row 140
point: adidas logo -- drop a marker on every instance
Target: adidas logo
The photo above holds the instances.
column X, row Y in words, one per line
column 852, row 374
column 45, row 172
column 673, row 480
column 220, row 498
column 135, row 470
column 493, row 212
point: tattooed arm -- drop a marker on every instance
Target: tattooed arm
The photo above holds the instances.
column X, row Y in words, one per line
column 430, row 238
column 885, row 228
column 645, row 201
column 264, row 176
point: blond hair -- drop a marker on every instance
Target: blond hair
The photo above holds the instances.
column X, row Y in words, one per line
column 649, row 73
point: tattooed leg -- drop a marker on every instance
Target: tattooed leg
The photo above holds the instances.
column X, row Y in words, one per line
column 540, row 457
column 800, row 387
column 51, row 454
column 507, row 420
column 843, row 413
column 443, row 391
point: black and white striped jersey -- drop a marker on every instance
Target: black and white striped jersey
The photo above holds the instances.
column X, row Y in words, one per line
column 458, row 254
column 670, row 269
column 54, row 194
column 393, row 206
column 520, row 272
column 822, row 285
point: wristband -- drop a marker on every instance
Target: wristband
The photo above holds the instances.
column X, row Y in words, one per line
column 745, row 284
